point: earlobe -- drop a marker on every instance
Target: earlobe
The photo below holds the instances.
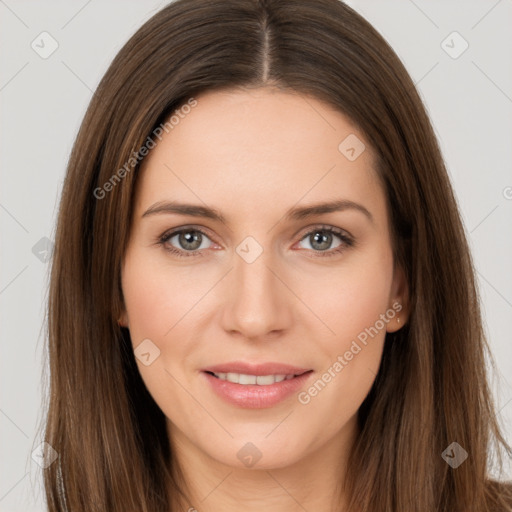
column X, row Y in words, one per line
column 399, row 305
column 397, row 316
column 123, row 320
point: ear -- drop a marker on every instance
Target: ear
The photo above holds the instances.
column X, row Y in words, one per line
column 398, row 301
column 123, row 319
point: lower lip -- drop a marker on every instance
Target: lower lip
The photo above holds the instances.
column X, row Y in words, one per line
column 253, row 396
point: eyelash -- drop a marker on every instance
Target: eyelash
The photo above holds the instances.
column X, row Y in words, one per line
column 346, row 241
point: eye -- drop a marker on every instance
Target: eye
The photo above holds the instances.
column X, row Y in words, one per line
column 321, row 238
column 188, row 240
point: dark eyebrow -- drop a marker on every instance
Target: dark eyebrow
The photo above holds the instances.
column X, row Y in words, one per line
column 184, row 209
column 299, row 213
column 339, row 205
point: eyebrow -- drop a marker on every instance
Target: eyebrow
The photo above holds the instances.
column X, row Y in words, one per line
column 298, row 213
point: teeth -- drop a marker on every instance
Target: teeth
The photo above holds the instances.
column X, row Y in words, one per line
column 261, row 380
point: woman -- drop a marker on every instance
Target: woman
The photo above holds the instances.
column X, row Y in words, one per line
column 262, row 295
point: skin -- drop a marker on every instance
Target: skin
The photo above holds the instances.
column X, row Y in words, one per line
column 252, row 155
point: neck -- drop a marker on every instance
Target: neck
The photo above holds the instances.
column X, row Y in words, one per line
column 313, row 482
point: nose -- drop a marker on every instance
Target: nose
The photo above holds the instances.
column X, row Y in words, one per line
column 258, row 302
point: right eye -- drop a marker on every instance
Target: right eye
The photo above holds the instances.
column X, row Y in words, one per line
column 188, row 240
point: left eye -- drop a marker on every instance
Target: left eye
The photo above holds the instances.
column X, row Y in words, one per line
column 320, row 240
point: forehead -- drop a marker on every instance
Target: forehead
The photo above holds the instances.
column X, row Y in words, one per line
column 260, row 150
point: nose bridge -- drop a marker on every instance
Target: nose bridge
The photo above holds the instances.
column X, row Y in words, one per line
column 257, row 301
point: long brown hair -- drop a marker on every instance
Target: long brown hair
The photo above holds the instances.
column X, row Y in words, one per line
column 431, row 389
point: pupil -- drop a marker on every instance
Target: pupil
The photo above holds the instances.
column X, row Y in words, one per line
column 323, row 239
column 188, row 239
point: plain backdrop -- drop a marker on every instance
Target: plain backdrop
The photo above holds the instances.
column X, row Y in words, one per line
column 467, row 91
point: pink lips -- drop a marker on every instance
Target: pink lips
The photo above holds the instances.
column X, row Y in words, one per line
column 254, row 396
column 256, row 369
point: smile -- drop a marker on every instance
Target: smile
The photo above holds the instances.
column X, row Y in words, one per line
column 260, row 380
column 255, row 391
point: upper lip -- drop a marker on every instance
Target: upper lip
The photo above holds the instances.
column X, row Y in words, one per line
column 270, row 368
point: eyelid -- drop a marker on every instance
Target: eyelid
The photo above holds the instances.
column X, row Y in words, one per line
column 302, row 232
column 170, row 233
column 187, row 227
column 346, row 238
column 328, row 227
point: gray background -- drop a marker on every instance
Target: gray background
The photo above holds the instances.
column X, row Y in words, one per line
column 469, row 99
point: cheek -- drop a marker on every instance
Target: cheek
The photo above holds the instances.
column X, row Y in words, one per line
column 160, row 306
column 163, row 303
column 146, row 304
column 351, row 297
column 355, row 309
column 157, row 296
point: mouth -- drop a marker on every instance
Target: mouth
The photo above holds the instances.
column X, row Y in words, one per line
column 258, row 380
column 255, row 386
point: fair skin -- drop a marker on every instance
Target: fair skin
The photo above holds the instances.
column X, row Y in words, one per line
column 253, row 155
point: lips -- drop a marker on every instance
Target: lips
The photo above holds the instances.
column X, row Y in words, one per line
column 250, row 395
column 257, row 369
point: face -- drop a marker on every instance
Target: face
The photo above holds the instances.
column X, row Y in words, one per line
column 315, row 290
